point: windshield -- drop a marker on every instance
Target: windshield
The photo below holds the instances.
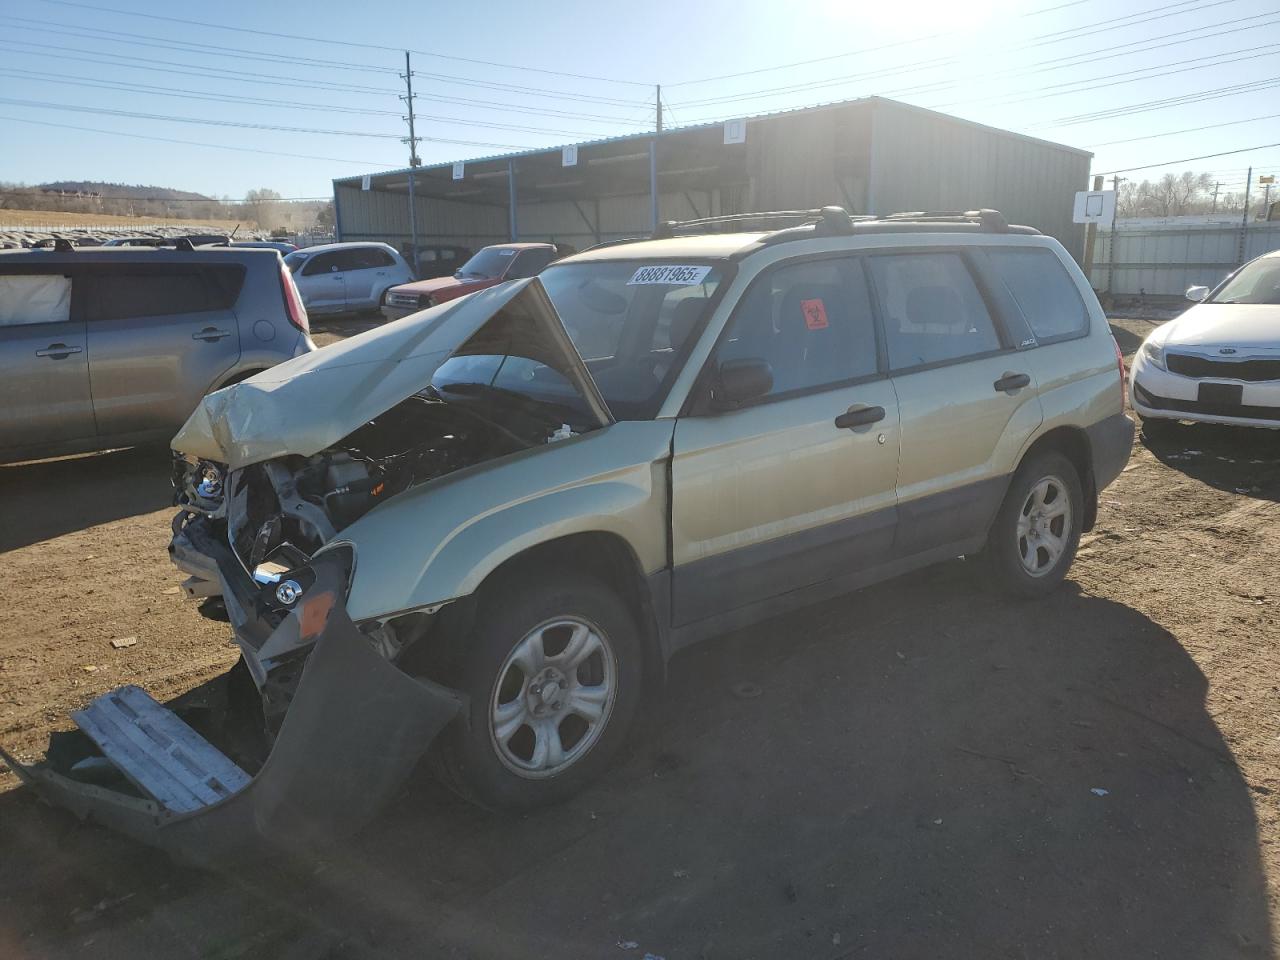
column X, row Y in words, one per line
column 1256, row 282
column 295, row 260
column 489, row 264
column 633, row 324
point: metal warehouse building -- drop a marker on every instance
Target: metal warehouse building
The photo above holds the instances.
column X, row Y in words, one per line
column 870, row 156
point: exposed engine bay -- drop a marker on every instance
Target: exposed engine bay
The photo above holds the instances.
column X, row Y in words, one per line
column 298, row 504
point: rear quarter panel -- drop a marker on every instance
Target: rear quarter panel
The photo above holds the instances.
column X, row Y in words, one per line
column 439, row 541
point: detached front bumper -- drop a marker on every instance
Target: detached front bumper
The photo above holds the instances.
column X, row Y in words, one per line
column 355, row 727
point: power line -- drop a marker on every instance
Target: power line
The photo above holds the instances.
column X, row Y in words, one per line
column 291, row 105
column 1149, row 105
column 1169, row 163
column 347, row 43
column 938, row 63
column 171, row 67
column 196, row 143
column 244, row 124
column 1171, row 133
column 184, row 46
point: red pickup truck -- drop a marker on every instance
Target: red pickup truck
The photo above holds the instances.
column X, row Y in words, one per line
column 490, row 266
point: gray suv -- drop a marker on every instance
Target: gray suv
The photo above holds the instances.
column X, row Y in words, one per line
column 112, row 347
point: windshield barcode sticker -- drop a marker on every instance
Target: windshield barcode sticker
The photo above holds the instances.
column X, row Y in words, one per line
column 681, row 274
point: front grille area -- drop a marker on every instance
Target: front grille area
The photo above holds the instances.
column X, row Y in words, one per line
column 1149, row 399
column 402, row 300
column 1252, row 371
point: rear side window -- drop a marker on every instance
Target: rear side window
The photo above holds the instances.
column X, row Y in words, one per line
column 931, row 308
column 363, row 258
column 810, row 321
column 127, row 293
column 529, row 264
column 1044, row 292
column 34, row 298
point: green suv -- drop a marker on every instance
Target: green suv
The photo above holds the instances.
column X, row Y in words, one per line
column 480, row 532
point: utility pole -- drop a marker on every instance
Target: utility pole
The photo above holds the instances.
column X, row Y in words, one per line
column 1091, row 233
column 412, row 141
column 1111, row 265
column 658, row 102
column 653, row 157
column 1244, row 217
column 1214, row 209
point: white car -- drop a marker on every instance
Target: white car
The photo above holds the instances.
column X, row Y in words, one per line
column 1220, row 361
column 346, row 277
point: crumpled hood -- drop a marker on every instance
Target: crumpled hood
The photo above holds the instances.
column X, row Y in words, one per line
column 1253, row 327
column 311, row 402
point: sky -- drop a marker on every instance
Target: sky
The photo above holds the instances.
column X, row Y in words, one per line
column 306, row 92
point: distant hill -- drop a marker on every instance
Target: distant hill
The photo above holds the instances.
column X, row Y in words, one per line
column 124, row 191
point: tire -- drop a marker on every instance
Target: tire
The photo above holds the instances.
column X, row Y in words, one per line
column 492, row 756
column 1033, row 540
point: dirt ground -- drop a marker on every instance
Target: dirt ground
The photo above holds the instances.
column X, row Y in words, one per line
column 41, row 218
column 927, row 770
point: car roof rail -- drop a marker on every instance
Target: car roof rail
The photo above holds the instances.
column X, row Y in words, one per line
column 63, row 245
column 184, row 244
column 669, row 228
column 991, row 221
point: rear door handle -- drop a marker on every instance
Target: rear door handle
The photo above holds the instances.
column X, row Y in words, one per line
column 58, row 350
column 1012, row 381
column 859, row 417
column 210, row 334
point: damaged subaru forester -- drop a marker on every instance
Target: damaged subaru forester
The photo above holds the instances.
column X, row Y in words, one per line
column 476, row 535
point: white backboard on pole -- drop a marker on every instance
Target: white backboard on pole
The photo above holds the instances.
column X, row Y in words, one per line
column 1094, row 206
column 458, row 170
column 569, row 156
column 735, row 131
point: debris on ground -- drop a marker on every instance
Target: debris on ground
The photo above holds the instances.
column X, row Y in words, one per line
column 1099, row 791
column 746, row 690
column 123, row 642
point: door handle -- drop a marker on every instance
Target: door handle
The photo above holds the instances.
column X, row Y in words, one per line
column 1012, row 381
column 859, row 417
column 57, row 351
column 210, row 334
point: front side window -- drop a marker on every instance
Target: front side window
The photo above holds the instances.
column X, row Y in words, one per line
column 931, row 309
column 1044, row 292
column 633, row 323
column 1256, row 282
column 810, row 321
column 321, row 263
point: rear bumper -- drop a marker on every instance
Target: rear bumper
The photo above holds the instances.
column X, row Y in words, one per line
column 1110, row 443
column 354, row 729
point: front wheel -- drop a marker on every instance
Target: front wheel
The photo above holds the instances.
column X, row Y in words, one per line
column 553, row 671
column 1037, row 529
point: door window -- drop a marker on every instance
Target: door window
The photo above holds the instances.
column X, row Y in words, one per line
column 931, row 309
column 811, row 321
column 34, row 298
column 321, row 263
column 126, row 293
column 1043, row 291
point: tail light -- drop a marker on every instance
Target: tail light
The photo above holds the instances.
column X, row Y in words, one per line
column 1124, row 374
column 293, row 307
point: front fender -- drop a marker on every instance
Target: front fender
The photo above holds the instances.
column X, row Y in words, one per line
column 440, row 541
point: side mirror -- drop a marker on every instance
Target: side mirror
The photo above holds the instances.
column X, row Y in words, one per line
column 1197, row 294
column 738, row 381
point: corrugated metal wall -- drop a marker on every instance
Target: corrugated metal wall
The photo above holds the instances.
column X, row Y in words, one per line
column 609, row 218
column 384, row 216
column 1156, row 262
column 810, row 160
column 924, row 161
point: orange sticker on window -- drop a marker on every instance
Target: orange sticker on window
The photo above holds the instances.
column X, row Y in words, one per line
column 815, row 314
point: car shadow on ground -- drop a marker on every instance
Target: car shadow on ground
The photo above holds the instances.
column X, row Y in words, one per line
column 48, row 498
column 1239, row 460
column 921, row 769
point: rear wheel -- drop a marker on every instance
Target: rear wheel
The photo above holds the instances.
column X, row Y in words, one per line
column 1037, row 529
column 553, row 671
